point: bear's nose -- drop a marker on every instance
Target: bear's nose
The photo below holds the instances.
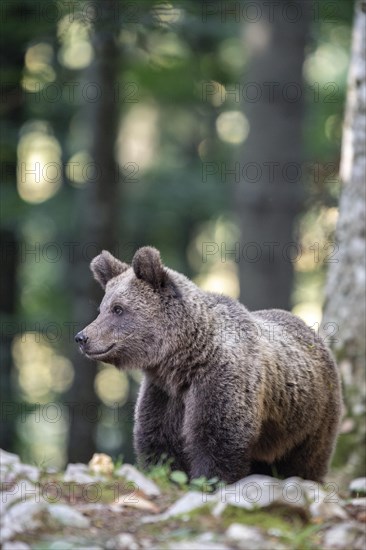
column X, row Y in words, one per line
column 80, row 338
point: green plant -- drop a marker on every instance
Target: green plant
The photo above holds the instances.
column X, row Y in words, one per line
column 180, row 478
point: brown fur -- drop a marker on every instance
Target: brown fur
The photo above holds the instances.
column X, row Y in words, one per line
column 226, row 392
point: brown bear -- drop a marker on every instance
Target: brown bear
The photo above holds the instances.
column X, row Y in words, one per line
column 226, row 392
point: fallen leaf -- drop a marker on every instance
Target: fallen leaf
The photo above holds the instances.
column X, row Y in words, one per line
column 101, row 464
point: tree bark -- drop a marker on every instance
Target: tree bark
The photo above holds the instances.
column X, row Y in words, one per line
column 98, row 206
column 344, row 310
column 270, row 193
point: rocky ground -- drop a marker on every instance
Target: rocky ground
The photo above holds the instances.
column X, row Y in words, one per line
column 106, row 506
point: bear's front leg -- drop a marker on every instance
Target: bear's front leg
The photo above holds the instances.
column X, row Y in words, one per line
column 219, row 431
column 158, row 426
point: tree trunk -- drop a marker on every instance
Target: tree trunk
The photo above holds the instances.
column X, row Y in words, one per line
column 345, row 289
column 12, row 63
column 270, row 192
column 8, row 286
column 98, row 206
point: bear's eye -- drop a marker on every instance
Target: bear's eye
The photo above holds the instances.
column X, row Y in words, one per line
column 117, row 310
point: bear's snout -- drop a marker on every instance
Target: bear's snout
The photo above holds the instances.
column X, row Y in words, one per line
column 81, row 338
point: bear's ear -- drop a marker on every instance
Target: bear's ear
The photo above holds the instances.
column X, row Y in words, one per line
column 105, row 267
column 148, row 267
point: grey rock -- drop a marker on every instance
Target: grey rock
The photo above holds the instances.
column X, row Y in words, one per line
column 258, row 491
column 130, row 473
column 305, row 497
column 26, row 471
column 23, row 516
column 70, row 517
column 359, row 502
column 20, row 490
column 327, row 510
column 186, row 504
column 8, row 459
column 16, row 545
column 246, row 537
column 7, row 463
column 11, row 468
column 122, row 541
column 358, row 485
column 6, row 474
column 51, row 470
column 79, row 473
column 345, row 535
column 250, row 492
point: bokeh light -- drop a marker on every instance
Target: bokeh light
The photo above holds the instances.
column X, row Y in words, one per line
column 38, row 70
column 79, row 168
column 41, row 371
column 111, row 386
column 167, row 50
column 39, row 170
column 138, row 137
column 232, row 127
column 325, row 66
column 76, row 51
column 216, row 267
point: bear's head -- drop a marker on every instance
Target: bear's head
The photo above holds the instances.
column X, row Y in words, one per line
column 142, row 315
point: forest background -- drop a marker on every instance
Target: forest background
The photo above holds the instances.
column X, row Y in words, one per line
column 210, row 130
